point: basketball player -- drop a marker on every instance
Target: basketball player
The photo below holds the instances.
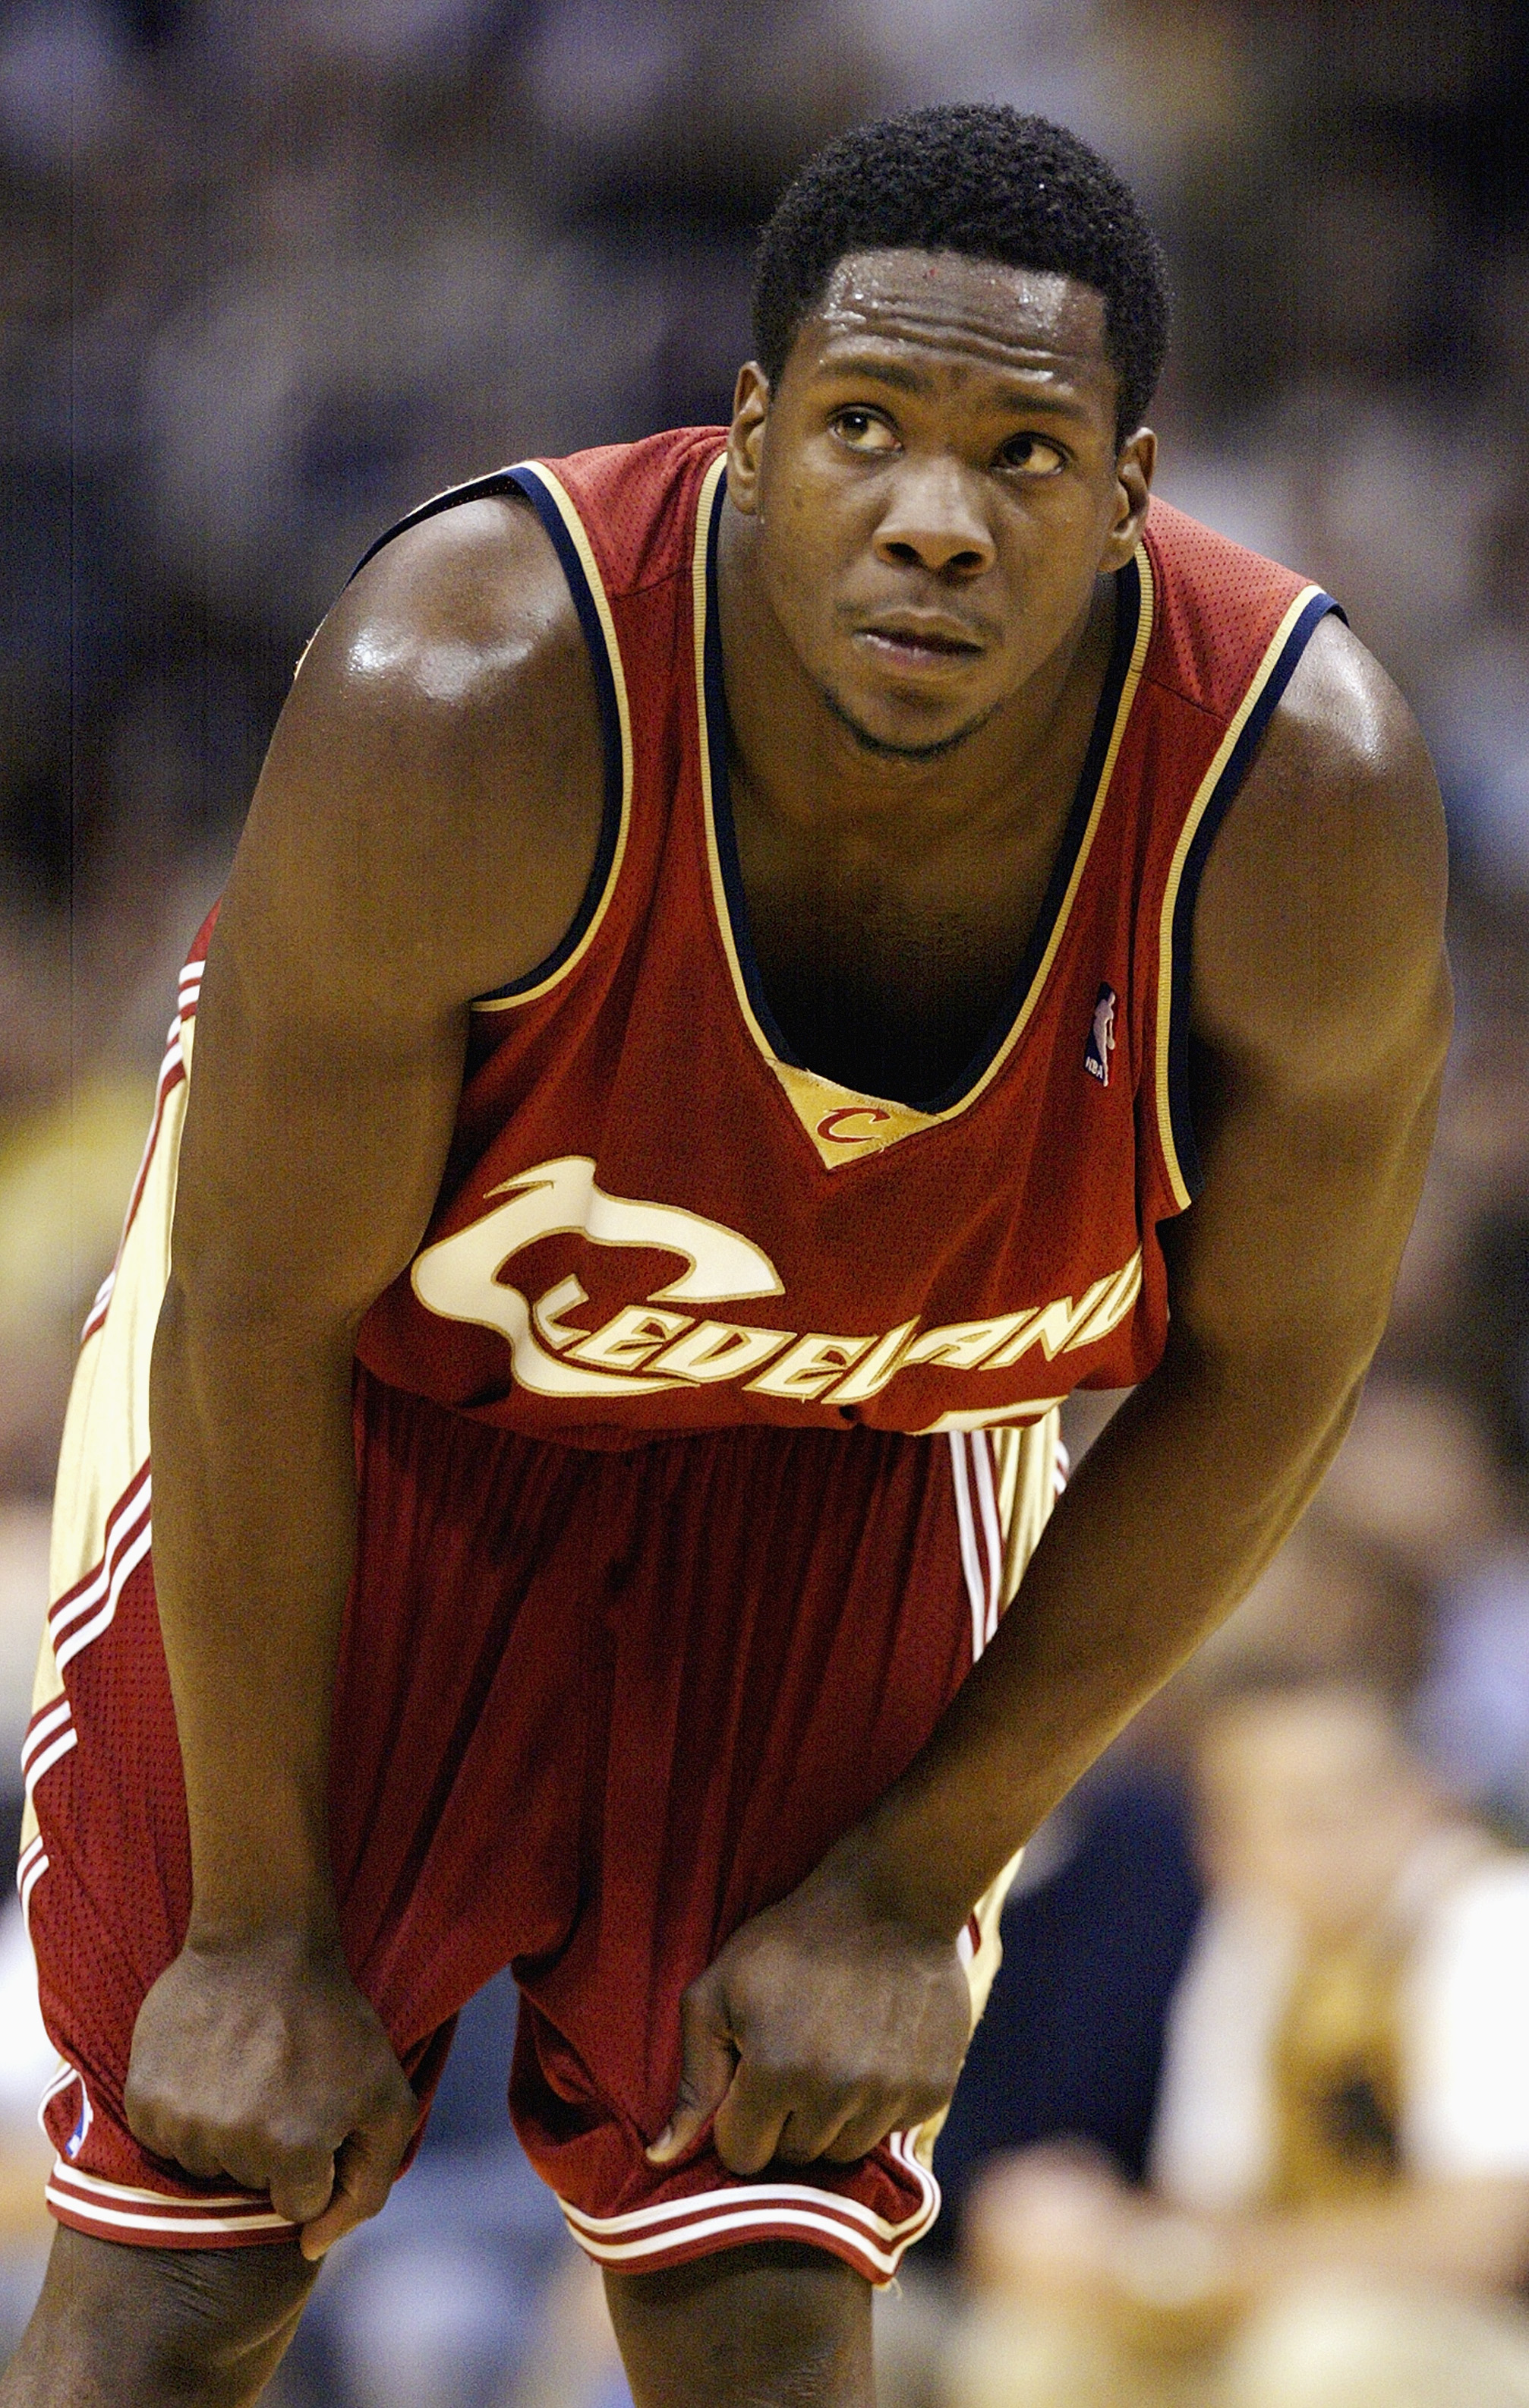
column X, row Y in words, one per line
column 732, row 1001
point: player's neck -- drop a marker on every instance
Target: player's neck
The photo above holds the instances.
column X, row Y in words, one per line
column 795, row 760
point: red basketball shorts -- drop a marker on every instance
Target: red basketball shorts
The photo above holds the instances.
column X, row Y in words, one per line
column 592, row 1711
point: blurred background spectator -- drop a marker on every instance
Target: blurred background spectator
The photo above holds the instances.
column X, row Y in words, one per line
column 1338, row 2160
column 267, row 277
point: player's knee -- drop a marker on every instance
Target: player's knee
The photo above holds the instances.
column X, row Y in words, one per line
column 117, row 2327
column 773, row 2323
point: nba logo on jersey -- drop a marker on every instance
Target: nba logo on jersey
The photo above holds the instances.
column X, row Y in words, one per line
column 1101, row 1044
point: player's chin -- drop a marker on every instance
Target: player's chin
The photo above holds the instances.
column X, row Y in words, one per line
column 897, row 725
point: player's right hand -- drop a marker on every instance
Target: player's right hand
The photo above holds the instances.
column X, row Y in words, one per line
column 261, row 2063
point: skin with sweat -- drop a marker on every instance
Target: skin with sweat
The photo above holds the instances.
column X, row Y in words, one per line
column 916, row 603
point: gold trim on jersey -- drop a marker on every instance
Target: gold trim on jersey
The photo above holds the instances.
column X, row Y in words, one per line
column 843, row 1123
column 1204, row 796
column 574, row 527
column 100, row 1531
column 106, row 1429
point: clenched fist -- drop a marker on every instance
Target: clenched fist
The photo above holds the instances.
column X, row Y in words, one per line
column 823, row 2026
column 262, row 2062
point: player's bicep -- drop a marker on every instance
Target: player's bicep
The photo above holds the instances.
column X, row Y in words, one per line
column 421, row 832
column 1322, row 1014
column 331, row 1026
column 313, row 1144
column 1283, row 1266
column 1319, row 928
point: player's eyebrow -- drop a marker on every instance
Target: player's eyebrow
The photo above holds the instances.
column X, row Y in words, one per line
column 906, row 376
column 874, row 367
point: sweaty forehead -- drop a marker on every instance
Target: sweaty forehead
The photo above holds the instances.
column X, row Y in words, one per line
column 1026, row 319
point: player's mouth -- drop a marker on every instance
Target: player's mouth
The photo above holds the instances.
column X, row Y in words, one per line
column 918, row 642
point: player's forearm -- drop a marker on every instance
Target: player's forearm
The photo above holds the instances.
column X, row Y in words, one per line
column 1167, row 1523
column 255, row 1533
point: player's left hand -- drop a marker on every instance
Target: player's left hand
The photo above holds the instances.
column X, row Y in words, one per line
column 823, row 2026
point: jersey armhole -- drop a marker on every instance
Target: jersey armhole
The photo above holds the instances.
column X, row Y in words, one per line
column 531, row 482
column 1218, row 788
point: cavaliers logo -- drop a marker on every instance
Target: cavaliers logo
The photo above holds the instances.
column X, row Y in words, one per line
column 846, row 1125
column 462, row 1278
column 649, row 1346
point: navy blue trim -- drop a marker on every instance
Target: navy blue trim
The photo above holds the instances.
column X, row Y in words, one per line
column 481, row 489
column 541, row 501
column 526, row 483
column 1180, row 939
column 1127, row 619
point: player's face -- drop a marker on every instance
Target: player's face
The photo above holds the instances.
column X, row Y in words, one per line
column 937, row 485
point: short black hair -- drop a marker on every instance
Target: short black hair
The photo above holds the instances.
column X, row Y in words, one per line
column 988, row 182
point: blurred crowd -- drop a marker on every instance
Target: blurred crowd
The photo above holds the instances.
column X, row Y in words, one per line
column 1248, row 2119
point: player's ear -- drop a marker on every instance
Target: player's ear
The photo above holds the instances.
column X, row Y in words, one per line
column 745, row 437
column 1134, row 467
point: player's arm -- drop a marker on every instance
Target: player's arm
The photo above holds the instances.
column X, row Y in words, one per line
column 421, row 832
column 1321, row 1020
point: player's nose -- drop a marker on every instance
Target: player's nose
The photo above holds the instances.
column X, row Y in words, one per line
column 932, row 521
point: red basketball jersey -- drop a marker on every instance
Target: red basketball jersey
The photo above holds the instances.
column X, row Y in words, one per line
column 655, row 1218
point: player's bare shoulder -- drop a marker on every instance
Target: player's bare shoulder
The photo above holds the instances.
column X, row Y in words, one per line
column 1319, row 930
column 439, row 764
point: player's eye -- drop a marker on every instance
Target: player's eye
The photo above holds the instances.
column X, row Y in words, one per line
column 1031, row 456
column 862, row 431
